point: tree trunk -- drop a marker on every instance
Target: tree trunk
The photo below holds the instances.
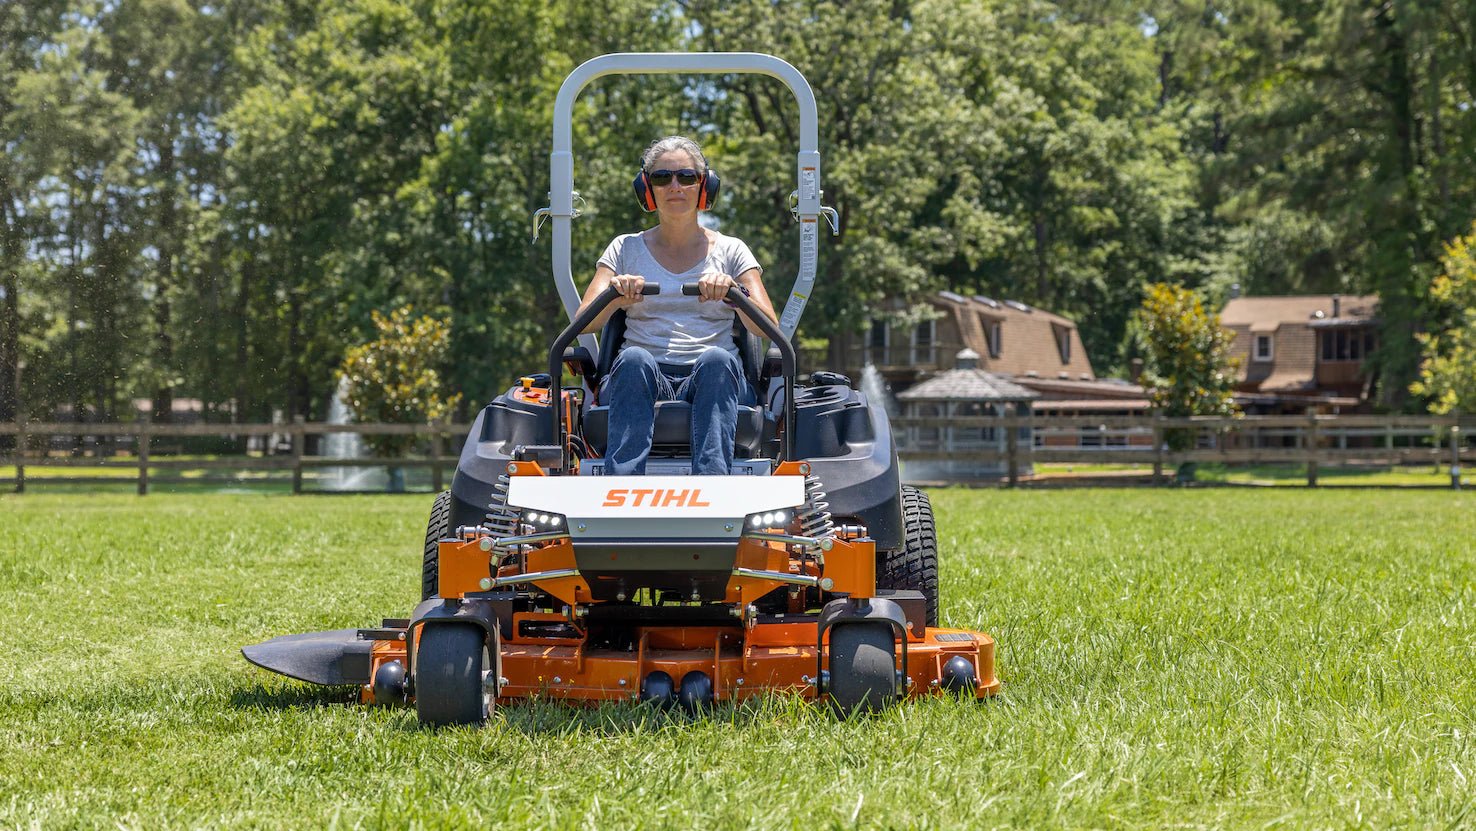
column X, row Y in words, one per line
column 164, row 278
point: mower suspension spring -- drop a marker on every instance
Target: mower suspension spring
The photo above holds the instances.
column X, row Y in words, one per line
column 501, row 520
column 816, row 520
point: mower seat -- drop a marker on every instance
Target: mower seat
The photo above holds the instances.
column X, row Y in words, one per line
column 673, row 431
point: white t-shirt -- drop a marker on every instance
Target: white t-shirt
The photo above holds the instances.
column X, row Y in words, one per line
column 675, row 328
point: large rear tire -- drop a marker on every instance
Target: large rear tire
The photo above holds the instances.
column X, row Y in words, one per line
column 449, row 661
column 436, row 530
column 863, row 668
column 914, row 566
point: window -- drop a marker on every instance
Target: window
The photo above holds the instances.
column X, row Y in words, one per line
column 1063, row 342
column 1345, row 345
column 996, row 339
column 1263, row 347
column 876, row 342
column 922, row 342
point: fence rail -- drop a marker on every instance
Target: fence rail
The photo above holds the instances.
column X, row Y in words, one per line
column 1316, row 441
column 1019, row 441
column 437, row 459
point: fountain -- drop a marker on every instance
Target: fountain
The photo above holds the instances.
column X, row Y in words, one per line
column 876, row 389
column 347, row 446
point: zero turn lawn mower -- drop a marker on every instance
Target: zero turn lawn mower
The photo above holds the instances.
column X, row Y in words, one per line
column 810, row 570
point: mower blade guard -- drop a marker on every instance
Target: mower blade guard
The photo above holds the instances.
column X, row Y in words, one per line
column 334, row 657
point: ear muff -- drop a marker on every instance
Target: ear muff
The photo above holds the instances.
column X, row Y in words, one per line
column 644, row 197
column 709, row 190
column 706, row 194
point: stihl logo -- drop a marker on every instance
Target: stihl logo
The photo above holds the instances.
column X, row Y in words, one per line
column 654, row 498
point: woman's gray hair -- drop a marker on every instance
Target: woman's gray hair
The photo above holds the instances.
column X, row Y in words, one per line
column 668, row 144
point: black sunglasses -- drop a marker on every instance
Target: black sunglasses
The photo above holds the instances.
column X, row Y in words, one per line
column 685, row 177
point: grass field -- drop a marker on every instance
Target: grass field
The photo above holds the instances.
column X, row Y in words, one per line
column 1171, row 658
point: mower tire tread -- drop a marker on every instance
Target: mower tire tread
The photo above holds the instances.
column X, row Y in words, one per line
column 436, row 530
column 863, row 668
column 915, row 565
column 448, row 675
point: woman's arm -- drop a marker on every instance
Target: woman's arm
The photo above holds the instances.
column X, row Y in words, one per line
column 715, row 286
column 629, row 286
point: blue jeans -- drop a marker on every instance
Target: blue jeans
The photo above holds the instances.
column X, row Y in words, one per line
column 713, row 386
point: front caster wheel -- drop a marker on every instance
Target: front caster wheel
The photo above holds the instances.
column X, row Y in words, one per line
column 450, row 660
column 863, row 668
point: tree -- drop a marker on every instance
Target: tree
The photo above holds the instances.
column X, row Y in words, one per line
column 1188, row 370
column 396, row 379
column 1448, row 373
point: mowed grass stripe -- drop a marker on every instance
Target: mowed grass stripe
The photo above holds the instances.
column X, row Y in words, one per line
column 1171, row 658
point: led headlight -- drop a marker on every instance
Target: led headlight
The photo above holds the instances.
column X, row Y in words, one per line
column 769, row 519
column 539, row 519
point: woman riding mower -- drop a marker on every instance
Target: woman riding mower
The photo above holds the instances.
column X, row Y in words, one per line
column 676, row 348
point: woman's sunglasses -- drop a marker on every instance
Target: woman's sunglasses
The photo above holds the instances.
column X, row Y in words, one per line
column 686, row 177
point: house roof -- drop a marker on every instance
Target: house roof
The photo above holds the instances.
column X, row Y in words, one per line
column 967, row 385
column 1266, row 314
column 1028, row 334
column 1063, row 388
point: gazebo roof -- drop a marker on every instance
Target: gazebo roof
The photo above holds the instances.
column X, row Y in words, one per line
column 967, row 385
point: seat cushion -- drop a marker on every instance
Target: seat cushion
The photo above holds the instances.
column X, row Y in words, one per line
column 674, row 428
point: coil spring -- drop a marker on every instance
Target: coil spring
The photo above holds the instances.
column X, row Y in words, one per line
column 816, row 521
column 502, row 521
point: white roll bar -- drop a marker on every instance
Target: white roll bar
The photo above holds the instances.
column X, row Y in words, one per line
column 562, row 195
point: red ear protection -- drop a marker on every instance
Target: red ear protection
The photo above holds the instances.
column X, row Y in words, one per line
column 706, row 194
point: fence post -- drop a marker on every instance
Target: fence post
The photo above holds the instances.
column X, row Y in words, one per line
column 1157, row 448
column 438, row 446
column 1012, row 448
column 1455, row 454
column 144, row 434
column 20, row 456
column 1313, row 442
column 298, row 439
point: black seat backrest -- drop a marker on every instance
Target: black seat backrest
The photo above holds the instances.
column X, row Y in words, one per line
column 750, row 348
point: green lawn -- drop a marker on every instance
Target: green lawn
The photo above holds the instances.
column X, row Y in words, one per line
column 1171, row 658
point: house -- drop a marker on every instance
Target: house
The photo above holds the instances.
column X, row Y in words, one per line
column 1302, row 351
column 1030, row 347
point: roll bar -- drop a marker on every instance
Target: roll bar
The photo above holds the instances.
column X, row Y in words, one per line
column 562, row 195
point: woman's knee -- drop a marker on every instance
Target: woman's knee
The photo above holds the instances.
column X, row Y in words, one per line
column 634, row 358
column 718, row 360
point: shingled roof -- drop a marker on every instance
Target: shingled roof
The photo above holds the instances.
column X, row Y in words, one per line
column 967, row 385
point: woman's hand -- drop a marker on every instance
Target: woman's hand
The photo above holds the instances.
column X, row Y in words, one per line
column 629, row 286
column 714, row 285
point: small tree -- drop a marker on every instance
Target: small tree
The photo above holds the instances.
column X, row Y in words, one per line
column 1188, row 369
column 394, row 379
column 1448, row 371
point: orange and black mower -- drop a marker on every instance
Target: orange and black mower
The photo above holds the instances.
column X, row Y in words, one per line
column 811, row 570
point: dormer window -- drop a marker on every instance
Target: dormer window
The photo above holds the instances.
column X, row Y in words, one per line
column 1063, row 342
column 996, row 339
column 922, row 342
column 1263, row 351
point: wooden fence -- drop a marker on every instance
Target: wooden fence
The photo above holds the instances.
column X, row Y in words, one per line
column 132, row 446
column 1317, row 442
column 1320, row 441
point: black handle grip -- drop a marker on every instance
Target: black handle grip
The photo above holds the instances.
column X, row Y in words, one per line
column 789, row 365
column 566, row 337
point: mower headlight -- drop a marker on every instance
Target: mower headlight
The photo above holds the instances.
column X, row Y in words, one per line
column 539, row 519
column 769, row 519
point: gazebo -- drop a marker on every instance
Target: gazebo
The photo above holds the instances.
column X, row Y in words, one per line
column 962, row 392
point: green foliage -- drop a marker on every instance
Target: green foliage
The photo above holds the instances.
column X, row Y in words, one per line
column 1448, row 373
column 394, row 378
column 1188, row 370
column 208, row 199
